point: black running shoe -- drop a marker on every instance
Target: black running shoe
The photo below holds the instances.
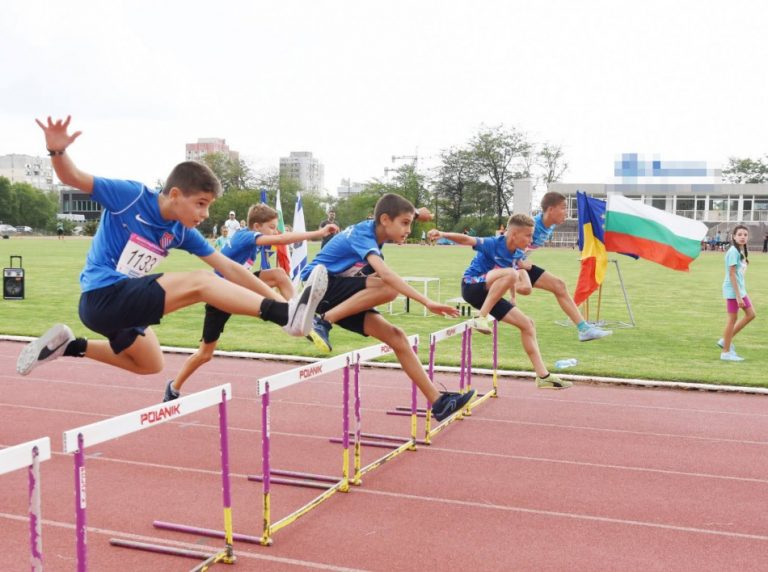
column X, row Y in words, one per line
column 170, row 393
column 449, row 403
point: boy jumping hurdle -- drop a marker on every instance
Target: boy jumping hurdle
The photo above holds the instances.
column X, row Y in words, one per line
column 262, row 222
column 121, row 297
column 553, row 212
column 359, row 280
column 490, row 275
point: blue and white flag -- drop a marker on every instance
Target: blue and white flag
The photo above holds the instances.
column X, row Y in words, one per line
column 299, row 255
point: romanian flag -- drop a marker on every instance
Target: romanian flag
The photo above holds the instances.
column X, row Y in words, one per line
column 670, row 240
column 283, row 259
column 594, row 260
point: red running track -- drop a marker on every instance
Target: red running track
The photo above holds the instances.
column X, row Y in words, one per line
column 593, row 478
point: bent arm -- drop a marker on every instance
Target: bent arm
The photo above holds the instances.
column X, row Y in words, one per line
column 463, row 239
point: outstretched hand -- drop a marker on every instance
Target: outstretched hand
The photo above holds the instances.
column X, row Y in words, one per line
column 442, row 309
column 330, row 228
column 56, row 136
column 433, row 234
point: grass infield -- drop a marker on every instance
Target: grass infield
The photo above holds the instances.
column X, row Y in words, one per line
column 679, row 315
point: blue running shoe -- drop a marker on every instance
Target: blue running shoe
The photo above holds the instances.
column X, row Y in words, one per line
column 321, row 334
column 449, row 403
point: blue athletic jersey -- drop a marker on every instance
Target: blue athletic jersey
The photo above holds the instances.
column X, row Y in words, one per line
column 492, row 252
column 242, row 248
column 541, row 234
column 346, row 254
column 131, row 213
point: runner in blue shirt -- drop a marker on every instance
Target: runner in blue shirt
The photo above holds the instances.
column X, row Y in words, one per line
column 493, row 272
column 121, row 297
column 553, row 212
column 359, row 280
column 735, row 292
column 243, row 248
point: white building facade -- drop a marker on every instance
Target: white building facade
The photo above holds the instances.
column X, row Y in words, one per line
column 304, row 168
column 35, row 170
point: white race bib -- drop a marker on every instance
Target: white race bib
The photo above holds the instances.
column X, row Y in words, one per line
column 140, row 257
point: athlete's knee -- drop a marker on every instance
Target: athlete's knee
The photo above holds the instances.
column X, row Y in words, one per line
column 559, row 287
column 523, row 289
column 395, row 337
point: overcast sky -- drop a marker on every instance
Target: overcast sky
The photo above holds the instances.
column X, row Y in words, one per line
column 356, row 82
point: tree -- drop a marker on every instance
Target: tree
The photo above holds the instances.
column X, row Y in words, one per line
column 502, row 155
column 551, row 160
column 456, row 176
column 234, row 175
column 746, row 170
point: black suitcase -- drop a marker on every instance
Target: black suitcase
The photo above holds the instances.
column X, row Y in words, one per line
column 13, row 281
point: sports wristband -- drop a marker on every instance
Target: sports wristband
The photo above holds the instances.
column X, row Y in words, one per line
column 52, row 153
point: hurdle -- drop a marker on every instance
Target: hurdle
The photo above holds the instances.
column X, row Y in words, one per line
column 76, row 440
column 297, row 375
column 364, row 355
column 465, row 372
column 30, row 455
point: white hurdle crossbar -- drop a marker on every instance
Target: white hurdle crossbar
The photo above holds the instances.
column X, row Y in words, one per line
column 29, row 455
column 76, row 440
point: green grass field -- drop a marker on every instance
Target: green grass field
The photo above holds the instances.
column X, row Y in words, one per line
column 679, row 316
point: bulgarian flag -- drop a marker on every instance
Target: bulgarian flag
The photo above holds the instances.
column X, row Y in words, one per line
column 670, row 240
column 283, row 260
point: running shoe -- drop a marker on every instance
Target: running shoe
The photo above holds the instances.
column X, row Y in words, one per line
column 720, row 343
column 47, row 347
column 449, row 403
column 552, row 382
column 730, row 356
column 480, row 323
column 170, row 392
column 301, row 308
column 321, row 334
column 593, row 333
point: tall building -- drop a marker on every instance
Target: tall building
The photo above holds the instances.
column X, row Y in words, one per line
column 209, row 146
column 304, row 168
column 36, row 171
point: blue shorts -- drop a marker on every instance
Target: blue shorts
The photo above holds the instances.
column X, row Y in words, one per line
column 123, row 310
column 475, row 294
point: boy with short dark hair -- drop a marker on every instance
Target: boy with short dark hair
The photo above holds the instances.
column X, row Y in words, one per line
column 262, row 222
column 553, row 212
column 120, row 296
column 359, row 280
column 490, row 275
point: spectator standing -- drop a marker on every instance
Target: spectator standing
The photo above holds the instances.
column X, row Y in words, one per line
column 231, row 224
column 330, row 220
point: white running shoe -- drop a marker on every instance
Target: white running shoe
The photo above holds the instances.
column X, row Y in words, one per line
column 593, row 333
column 301, row 308
column 730, row 356
column 47, row 347
column 480, row 324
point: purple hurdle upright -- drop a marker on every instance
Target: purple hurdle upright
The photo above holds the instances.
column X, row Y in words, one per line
column 30, row 455
column 76, row 440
